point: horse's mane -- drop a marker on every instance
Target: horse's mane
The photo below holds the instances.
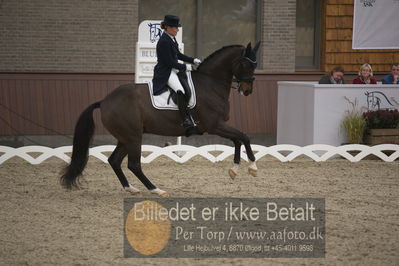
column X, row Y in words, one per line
column 217, row 52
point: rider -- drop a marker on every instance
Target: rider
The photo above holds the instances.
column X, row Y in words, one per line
column 167, row 68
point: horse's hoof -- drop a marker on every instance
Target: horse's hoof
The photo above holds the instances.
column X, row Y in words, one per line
column 233, row 171
column 253, row 172
column 159, row 192
column 132, row 189
column 232, row 174
column 164, row 195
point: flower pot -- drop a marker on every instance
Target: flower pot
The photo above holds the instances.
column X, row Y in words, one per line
column 382, row 136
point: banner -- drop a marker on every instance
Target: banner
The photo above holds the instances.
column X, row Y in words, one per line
column 146, row 55
column 224, row 228
column 375, row 24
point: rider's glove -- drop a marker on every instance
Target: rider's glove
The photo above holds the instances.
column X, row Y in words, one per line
column 197, row 61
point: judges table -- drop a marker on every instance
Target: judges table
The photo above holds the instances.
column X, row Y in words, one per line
column 311, row 113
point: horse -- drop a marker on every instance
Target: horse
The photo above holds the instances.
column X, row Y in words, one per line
column 127, row 113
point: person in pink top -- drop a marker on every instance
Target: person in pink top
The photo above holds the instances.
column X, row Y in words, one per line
column 365, row 75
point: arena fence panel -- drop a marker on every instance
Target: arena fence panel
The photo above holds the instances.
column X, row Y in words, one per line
column 183, row 153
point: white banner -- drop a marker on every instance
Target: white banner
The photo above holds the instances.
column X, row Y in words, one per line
column 146, row 55
column 375, row 24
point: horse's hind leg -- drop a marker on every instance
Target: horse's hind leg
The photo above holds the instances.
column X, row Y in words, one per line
column 134, row 156
column 115, row 160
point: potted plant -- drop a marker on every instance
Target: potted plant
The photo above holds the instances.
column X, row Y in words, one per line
column 354, row 123
column 382, row 127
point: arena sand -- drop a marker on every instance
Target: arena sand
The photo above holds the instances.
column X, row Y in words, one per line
column 42, row 224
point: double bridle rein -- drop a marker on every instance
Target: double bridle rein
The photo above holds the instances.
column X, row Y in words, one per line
column 236, row 78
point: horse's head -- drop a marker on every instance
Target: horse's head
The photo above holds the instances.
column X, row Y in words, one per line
column 243, row 69
column 232, row 61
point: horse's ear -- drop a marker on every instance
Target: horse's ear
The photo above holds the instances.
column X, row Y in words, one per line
column 248, row 50
column 256, row 47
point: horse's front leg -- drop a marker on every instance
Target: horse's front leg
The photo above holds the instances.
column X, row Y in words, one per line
column 233, row 171
column 237, row 137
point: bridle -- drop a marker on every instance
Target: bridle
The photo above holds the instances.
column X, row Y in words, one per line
column 239, row 79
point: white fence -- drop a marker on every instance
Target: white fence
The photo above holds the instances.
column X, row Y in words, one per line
column 282, row 152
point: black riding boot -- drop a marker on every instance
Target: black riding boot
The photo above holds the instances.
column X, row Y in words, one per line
column 188, row 122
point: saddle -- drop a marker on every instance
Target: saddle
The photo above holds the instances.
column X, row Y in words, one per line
column 166, row 99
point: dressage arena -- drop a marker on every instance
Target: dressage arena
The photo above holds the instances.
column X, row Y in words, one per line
column 42, row 224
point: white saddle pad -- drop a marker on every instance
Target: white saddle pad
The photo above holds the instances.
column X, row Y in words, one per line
column 161, row 101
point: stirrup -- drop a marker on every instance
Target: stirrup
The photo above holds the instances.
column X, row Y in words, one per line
column 189, row 122
column 192, row 131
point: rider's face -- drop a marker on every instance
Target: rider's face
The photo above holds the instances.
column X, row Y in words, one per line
column 172, row 30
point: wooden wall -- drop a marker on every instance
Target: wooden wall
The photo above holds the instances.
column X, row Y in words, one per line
column 337, row 46
column 52, row 100
column 56, row 100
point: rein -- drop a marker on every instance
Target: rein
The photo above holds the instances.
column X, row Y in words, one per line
column 224, row 82
column 235, row 78
column 221, row 81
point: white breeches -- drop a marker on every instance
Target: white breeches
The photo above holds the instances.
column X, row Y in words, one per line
column 173, row 81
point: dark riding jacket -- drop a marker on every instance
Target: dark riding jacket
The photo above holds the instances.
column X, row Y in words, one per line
column 168, row 53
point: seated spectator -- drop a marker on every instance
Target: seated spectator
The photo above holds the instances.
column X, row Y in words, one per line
column 365, row 75
column 392, row 78
column 336, row 76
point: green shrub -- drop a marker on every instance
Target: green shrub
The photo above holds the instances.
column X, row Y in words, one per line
column 354, row 123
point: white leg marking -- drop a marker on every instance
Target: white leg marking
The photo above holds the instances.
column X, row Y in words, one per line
column 252, row 169
column 132, row 189
column 159, row 192
column 233, row 171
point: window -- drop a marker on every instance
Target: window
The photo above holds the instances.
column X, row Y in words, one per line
column 207, row 24
column 307, row 34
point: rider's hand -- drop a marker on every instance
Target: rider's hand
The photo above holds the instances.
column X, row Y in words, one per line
column 189, row 67
column 197, row 61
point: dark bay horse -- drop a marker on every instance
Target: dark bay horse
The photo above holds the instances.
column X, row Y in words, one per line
column 127, row 113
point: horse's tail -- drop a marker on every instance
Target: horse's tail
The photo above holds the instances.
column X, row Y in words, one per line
column 84, row 131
